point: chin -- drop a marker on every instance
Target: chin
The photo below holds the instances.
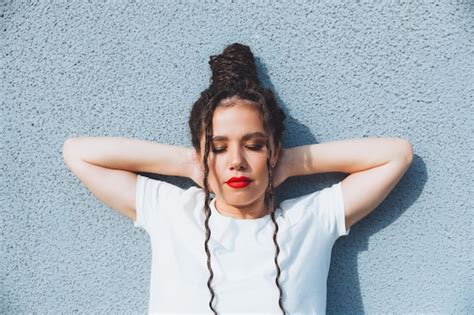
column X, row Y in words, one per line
column 241, row 198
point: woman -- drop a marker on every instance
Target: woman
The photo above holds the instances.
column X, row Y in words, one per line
column 237, row 251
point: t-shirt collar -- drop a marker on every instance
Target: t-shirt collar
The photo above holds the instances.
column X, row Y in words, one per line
column 225, row 229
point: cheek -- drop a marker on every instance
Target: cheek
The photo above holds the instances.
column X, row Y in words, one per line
column 261, row 165
column 211, row 162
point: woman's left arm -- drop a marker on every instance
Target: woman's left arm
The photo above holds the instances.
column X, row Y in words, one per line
column 375, row 166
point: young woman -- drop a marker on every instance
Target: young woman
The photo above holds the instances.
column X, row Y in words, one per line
column 236, row 251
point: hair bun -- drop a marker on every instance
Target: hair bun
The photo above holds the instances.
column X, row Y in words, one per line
column 235, row 63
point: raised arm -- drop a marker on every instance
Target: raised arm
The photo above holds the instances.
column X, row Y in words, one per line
column 130, row 154
column 375, row 165
column 107, row 166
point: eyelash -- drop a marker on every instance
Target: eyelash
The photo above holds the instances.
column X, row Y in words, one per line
column 253, row 148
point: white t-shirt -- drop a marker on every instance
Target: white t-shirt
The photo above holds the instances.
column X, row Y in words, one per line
column 242, row 252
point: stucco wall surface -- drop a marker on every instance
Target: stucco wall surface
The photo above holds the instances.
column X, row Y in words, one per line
column 340, row 70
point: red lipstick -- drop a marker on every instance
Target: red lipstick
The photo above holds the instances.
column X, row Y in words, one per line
column 238, row 182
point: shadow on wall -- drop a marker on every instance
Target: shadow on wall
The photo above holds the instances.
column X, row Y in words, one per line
column 343, row 280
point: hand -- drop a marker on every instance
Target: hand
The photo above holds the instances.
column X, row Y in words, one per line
column 195, row 169
column 281, row 169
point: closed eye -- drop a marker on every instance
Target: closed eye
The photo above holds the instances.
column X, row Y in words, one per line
column 253, row 148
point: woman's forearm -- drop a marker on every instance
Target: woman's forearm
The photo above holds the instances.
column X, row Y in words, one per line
column 347, row 156
column 130, row 154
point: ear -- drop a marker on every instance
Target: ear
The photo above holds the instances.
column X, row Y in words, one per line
column 195, row 155
column 276, row 156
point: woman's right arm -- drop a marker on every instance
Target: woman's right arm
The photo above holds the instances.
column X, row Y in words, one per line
column 107, row 166
column 130, row 154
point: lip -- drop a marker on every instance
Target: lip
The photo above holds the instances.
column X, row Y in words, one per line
column 238, row 179
column 238, row 182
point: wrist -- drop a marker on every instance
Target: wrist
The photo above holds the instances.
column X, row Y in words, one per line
column 188, row 163
column 288, row 156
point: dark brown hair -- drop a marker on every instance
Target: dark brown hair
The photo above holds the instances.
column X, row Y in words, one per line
column 234, row 77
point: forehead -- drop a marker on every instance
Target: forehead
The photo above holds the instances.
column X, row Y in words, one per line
column 241, row 121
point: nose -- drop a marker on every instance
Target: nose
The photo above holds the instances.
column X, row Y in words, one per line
column 237, row 160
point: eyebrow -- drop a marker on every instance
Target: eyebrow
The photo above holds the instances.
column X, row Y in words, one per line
column 247, row 136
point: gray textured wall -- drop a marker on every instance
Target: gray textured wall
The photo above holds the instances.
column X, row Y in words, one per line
column 134, row 68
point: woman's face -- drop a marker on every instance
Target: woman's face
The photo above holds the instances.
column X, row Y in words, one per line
column 238, row 149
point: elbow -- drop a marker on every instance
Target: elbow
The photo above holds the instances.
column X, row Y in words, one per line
column 67, row 150
column 407, row 150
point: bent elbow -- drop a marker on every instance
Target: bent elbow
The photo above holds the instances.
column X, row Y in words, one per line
column 408, row 151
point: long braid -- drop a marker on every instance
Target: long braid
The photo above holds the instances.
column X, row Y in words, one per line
column 208, row 124
column 272, row 203
column 270, row 200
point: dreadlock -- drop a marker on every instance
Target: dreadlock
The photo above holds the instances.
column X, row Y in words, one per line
column 234, row 77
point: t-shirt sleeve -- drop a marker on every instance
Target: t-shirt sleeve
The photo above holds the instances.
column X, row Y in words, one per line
column 327, row 207
column 154, row 198
column 331, row 209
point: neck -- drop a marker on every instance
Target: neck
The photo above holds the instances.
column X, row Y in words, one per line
column 254, row 210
